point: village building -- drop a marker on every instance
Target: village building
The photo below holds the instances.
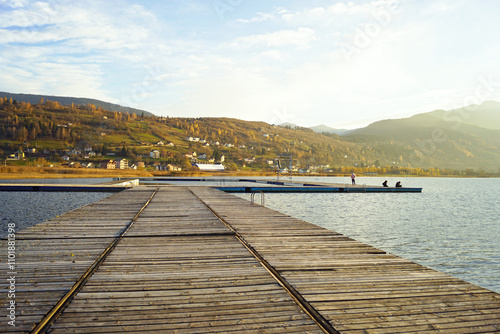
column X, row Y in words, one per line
column 210, row 167
column 155, row 154
column 18, row 155
column 172, row 168
column 111, row 164
column 190, row 155
column 123, row 164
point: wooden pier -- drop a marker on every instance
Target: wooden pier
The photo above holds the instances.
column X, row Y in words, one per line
column 182, row 259
column 238, row 185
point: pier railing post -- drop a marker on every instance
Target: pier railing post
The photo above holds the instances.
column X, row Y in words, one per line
column 262, row 198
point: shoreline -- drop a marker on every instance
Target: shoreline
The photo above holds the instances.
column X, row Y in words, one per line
column 11, row 173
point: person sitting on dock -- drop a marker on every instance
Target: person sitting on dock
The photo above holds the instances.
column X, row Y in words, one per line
column 398, row 184
column 385, row 183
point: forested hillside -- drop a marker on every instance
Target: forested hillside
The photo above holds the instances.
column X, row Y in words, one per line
column 403, row 146
column 67, row 101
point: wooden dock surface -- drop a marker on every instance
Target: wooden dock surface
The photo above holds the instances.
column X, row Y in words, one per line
column 110, row 187
column 199, row 260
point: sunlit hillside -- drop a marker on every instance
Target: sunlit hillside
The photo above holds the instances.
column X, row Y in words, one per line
column 423, row 141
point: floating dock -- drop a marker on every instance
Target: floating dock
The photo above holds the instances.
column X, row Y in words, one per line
column 114, row 186
column 276, row 186
column 182, row 259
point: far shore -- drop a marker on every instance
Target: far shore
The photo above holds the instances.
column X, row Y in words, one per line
column 67, row 173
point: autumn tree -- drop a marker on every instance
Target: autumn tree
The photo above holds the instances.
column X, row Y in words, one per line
column 22, row 134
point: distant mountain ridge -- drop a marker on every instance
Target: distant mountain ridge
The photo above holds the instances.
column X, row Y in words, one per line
column 327, row 129
column 67, row 100
column 318, row 128
column 468, row 136
column 486, row 115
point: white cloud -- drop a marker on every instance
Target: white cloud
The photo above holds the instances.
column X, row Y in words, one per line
column 284, row 62
column 13, row 3
column 260, row 17
column 440, row 7
column 301, row 38
column 343, row 11
column 273, row 54
column 65, row 48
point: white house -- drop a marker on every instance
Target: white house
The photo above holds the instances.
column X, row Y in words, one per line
column 18, row 155
column 155, row 154
column 123, row 163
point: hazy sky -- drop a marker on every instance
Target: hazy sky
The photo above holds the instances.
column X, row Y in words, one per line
column 343, row 64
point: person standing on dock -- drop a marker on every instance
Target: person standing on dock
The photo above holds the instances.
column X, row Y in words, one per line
column 353, row 178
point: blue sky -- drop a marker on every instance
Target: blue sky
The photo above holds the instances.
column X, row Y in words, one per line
column 340, row 63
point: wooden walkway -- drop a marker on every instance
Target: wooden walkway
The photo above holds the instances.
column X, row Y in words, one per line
column 198, row 260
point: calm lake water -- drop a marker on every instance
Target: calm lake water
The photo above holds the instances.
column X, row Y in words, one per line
column 28, row 208
column 452, row 226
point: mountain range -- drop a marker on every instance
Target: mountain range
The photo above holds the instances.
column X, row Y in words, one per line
column 468, row 136
column 318, row 128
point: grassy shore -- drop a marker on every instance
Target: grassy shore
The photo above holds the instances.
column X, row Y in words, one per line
column 21, row 172
column 25, row 172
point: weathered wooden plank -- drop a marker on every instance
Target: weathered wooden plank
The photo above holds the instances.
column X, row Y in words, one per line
column 164, row 270
column 59, row 251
